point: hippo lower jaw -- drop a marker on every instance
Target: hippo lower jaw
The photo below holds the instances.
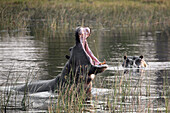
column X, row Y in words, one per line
column 97, row 69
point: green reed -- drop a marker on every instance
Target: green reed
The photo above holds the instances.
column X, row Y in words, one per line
column 58, row 14
column 125, row 95
column 7, row 96
column 10, row 99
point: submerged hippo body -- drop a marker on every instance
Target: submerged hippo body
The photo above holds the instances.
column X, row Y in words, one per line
column 134, row 61
column 81, row 66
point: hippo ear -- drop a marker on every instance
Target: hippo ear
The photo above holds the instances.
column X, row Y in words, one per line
column 68, row 57
column 141, row 56
column 125, row 57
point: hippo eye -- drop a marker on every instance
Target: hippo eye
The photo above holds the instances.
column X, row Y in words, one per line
column 138, row 62
column 70, row 49
column 131, row 63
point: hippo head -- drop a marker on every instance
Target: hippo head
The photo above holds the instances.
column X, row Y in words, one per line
column 133, row 61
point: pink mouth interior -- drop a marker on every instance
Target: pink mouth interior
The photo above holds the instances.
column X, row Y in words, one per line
column 84, row 33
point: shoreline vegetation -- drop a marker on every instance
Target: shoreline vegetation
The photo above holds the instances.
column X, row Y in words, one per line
column 68, row 14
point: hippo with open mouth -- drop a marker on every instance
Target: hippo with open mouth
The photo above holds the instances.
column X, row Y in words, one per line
column 134, row 61
column 82, row 66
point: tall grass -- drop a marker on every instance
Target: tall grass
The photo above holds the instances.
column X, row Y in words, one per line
column 125, row 93
column 58, row 14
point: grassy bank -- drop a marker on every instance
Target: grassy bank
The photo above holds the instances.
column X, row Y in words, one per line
column 53, row 14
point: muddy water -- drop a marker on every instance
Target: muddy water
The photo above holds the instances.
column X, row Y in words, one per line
column 24, row 55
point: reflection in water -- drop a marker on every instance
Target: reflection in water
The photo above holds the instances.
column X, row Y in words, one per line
column 21, row 54
column 163, row 46
column 28, row 53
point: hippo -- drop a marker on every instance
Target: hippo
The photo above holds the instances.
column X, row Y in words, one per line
column 81, row 67
column 134, row 61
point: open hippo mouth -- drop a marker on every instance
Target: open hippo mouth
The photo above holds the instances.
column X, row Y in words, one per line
column 83, row 33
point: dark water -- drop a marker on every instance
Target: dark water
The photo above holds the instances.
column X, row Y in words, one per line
column 25, row 53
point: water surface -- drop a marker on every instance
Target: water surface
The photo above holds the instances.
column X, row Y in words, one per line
column 29, row 54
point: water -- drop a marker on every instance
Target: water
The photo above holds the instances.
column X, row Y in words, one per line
column 33, row 55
